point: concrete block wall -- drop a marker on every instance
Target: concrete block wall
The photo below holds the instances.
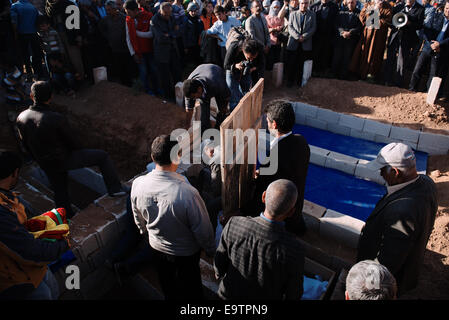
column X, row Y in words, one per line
column 306, row 114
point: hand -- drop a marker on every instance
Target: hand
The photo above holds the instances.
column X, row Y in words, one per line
column 435, row 45
column 346, row 34
column 239, row 66
column 252, row 69
column 301, row 39
column 256, row 174
column 266, row 49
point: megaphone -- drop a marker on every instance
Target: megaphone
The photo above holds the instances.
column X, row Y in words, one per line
column 399, row 20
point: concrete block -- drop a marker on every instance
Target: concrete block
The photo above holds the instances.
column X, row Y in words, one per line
column 328, row 115
column 114, row 205
column 363, row 172
column 378, row 128
column 404, row 134
column 305, row 109
column 341, row 162
column 318, row 155
column 97, row 259
column 179, row 94
column 431, row 151
column 383, row 139
column 339, row 129
column 313, row 209
column 312, row 213
column 411, row 144
column 432, row 140
column 341, row 227
column 433, row 90
column 362, row 135
column 300, row 118
column 278, row 74
column 351, row 122
column 316, row 123
column 97, row 284
column 86, row 245
column 108, row 233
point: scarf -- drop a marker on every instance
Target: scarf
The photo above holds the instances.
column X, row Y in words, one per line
column 274, row 12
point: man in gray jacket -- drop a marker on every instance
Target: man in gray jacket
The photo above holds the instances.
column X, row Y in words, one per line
column 397, row 231
column 257, row 26
column 174, row 215
column 301, row 27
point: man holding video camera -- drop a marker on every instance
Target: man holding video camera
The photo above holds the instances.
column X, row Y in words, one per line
column 244, row 63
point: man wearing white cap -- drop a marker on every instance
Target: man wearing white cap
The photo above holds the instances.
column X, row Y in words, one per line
column 397, row 231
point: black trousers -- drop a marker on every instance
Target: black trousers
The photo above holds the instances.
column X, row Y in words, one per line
column 294, row 64
column 396, row 65
column 222, row 104
column 123, row 67
column 179, row 276
column 30, row 48
column 274, row 56
column 423, row 58
column 165, row 70
column 342, row 58
column 58, row 177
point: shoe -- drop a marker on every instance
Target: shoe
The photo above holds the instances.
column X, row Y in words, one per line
column 124, row 190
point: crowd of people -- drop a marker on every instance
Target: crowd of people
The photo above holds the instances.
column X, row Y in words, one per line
column 154, row 44
column 228, row 48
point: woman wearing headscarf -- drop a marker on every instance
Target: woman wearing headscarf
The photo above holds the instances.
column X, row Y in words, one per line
column 275, row 25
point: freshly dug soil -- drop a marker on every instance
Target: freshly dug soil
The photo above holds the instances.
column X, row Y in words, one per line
column 121, row 121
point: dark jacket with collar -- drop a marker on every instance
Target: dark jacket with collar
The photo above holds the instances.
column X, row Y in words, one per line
column 432, row 30
column 164, row 38
column 213, row 79
column 46, row 135
column 348, row 21
column 397, row 231
column 23, row 259
column 325, row 24
column 293, row 162
column 415, row 22
column 258, row 259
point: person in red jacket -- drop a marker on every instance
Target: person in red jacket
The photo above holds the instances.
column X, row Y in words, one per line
column 140, row 44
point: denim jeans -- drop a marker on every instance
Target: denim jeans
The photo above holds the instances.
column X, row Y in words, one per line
column 48, row 289
column 147, row 68
column 238, row 87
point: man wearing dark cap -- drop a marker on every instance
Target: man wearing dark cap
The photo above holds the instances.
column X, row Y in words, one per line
column 397, row 231
column 46, row 135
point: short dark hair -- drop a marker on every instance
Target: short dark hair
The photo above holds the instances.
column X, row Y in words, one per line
column 131, row 5
column 190, row 86
column 251, row 46
column 41, row 91
column 282, row 112
column 219, row 9
column 9, row 162
column 161, row 149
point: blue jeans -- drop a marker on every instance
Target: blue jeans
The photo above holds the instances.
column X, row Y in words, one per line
column 48, row 289
column 63, row 81
column 148, row 68
column 238, row 87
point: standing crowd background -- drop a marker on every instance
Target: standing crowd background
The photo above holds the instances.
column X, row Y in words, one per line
column 153, row 45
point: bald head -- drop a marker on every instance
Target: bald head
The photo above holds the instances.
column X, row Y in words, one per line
column 280, row 197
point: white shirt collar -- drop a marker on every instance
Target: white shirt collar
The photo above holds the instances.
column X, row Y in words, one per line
column 397, row 187
column 276, row 140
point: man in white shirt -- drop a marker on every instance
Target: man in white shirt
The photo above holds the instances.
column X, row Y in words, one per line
column 221, row 28
column 173, row 213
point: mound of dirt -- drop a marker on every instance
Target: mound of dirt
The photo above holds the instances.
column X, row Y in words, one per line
column 389, row 104
column 120, row 121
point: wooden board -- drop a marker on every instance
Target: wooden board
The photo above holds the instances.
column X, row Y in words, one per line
column 237, row 177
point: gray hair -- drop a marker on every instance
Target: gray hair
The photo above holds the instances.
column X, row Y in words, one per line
column 164, row 5
column 280, row 197
column 370, row 280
